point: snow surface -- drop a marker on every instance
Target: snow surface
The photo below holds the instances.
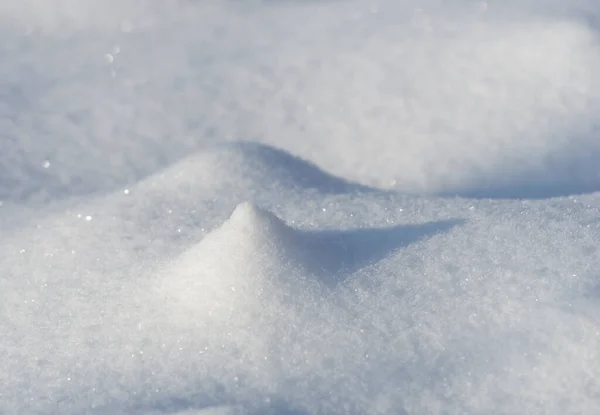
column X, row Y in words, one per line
column 299, row 207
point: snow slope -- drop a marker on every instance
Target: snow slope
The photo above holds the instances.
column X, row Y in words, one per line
column 285, row 207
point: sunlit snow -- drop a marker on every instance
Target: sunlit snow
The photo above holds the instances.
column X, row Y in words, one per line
column 296, row 207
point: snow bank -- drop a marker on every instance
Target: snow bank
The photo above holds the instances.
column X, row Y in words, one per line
column 494, row 104
column 472, row 98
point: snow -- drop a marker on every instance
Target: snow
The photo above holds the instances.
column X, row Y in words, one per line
column 286, row 207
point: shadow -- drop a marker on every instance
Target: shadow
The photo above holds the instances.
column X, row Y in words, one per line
column 176, row 406
column 340, row 253
column 279, row 407
column 535, row 192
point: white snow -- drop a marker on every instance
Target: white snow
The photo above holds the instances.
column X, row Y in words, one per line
column 294, row 207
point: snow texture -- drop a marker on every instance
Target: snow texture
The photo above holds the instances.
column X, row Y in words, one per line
column 299, row 207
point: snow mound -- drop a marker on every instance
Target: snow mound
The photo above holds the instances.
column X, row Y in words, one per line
column 249, row 246
column 240, row 260
column 254, row 247
column 250, row 166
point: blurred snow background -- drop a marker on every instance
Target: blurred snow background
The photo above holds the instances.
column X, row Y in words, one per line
column 299, row 207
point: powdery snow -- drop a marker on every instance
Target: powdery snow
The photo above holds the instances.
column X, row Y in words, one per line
column 294, row 208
